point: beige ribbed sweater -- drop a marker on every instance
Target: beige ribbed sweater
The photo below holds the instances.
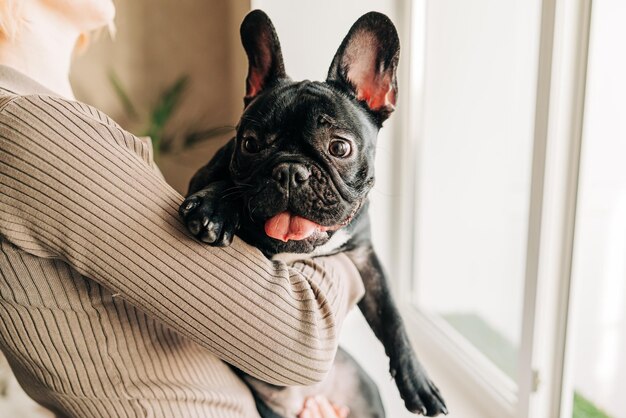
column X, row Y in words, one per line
column 109, row 309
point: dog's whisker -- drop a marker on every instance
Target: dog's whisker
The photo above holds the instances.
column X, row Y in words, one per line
column 251, row 210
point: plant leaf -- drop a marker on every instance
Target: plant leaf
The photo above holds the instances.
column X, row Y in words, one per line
column 197, row 137
column 162, row 112
column 122, row 95
column 167, row 104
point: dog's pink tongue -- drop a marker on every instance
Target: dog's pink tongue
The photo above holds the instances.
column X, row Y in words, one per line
column 286, row 226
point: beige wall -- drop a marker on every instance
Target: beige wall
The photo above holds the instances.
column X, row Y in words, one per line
column 158, row 41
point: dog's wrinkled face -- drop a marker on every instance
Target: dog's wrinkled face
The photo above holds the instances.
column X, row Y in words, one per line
column 308, row 159
column 304, row 156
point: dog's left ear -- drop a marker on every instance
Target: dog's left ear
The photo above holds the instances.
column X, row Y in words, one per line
column 366, row 63
column 265, row 58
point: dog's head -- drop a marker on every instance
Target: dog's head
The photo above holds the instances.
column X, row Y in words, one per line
column 304, row 157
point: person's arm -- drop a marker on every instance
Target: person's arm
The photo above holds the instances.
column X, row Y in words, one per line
column 73, row 188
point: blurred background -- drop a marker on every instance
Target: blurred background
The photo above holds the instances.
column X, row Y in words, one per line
column 175, row 71
column 500, row 204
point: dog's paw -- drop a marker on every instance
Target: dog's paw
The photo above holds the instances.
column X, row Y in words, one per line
column 211, row 217
column 420, row 394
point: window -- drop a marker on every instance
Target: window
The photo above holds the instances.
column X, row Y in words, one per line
column 473, row 165
column 598, row 324
column 473, row 170
column 492, row 150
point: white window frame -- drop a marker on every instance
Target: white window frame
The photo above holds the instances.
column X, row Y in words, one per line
column 543, row 388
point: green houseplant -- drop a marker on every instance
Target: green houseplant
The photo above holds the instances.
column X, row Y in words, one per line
column 155, row 121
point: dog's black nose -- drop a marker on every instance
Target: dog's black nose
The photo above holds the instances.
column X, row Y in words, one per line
column 290, row 175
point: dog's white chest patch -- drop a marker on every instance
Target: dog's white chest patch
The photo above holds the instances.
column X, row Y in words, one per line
column 336, row 241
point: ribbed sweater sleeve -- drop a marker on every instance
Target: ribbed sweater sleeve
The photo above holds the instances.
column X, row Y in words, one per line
column 77, row 187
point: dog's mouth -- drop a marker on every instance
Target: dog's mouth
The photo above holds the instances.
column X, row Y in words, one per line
column 286, row 226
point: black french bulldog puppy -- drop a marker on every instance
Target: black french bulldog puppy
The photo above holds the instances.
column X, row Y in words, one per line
column 295, row 180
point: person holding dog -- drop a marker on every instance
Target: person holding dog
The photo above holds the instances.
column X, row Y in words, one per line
column 107, row 307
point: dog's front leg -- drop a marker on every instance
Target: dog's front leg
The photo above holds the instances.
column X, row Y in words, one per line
column 211, row 210
column 419, row 393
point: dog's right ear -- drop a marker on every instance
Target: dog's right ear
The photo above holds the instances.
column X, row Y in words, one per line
column 366, row 63
column 265, row 59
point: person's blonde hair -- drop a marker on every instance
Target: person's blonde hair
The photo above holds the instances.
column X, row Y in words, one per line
column 10, row 18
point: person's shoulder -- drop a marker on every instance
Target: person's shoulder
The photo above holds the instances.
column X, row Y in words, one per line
column 38, row 106
column 10, row 100
column 48, row 119
column 6, row 97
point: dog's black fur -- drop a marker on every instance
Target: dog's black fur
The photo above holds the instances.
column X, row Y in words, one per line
column 308, row 148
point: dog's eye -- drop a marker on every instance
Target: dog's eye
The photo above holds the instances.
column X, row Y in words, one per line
column 251, row 145
column 339, row 148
